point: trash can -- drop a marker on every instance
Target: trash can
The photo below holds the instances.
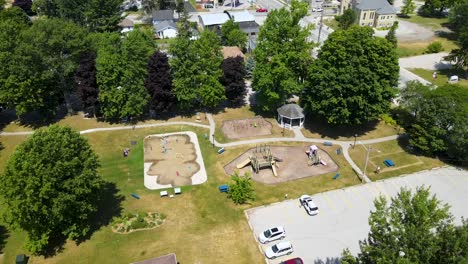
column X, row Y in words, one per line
column 21, row 259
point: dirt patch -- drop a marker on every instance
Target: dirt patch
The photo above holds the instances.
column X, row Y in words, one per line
column 242, row 128
column 294, row 165
column 172, row 158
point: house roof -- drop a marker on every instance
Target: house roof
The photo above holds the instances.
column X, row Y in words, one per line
column 381, row 6
column 161, row 15
column 167, row 259
column 232, row 52
column 242, row 16
column 213, row 19
column 126, row 23
column 292, row 111
column 164, row 25
column 249, row 27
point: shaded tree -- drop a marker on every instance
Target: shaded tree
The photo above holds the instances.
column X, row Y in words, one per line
column 121, row 71
column 233, row 79
column 103, row 15
column 241, row 191
column 232, row 35
column 26, row 5
column 2, row 4
column 159, row 82
column 60, row 45
column 413, row 228
column 85, row 78
column 459, row 23
column 408, row 7
column 440, row 122
column 56, row 172
column 391, row 35
column 283, row 55
column 347, row 19
column 436, row 7
column 352, row 81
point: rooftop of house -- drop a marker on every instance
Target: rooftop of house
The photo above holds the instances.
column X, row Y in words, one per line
column 382, row 7
column 167, row 259
column 249, row 27
column 162, row 15
column 126, row 23
column 240, row 16
column 232, row 52
column 213, row 19
column 164, row 25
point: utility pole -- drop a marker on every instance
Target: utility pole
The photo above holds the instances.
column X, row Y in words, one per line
column 321, row 24
column 367, row 160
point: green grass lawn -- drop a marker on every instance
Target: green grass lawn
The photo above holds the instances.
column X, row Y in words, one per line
column 319, row 129
column 430, row 22
column 404, row 162
column 408, row 49
column 442, row 76
column 201, row 223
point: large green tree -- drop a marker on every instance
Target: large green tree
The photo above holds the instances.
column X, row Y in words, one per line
column 59, row 44
column 440, row 121
column 391, row 35
column 196, row 67
column 352, row 81
column 97, row 15
column 232, row 35
column 283, row 55
column 12, row 22
column 413, row 228
column 241, row 191
column 121, row 71
column 408, row 8
column 459, row 22
column 436, row 7
column 347, row 19
column 50, row 187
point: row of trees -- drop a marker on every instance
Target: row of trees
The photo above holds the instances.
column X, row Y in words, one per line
column 45, row 61
column 459, row 24
column 351, row 82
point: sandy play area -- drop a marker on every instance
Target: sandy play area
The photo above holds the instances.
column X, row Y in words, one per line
column 242, row 128
column 172, row 160
column 294, row 165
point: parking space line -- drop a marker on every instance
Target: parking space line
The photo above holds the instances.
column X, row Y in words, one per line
column 329, row 201
column 343, row 197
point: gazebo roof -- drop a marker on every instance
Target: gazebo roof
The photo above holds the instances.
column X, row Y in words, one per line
column 292, row 111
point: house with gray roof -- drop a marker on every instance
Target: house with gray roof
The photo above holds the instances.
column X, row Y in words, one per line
column 163, row 15
column 166, row 29
column 374, row 13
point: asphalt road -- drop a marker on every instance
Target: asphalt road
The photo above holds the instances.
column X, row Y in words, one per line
column 344, row 213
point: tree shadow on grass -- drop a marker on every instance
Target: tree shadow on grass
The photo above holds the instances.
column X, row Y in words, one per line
column 32, row 120
column 328, row 260
column 109, row 206
column 4, row 235
column 325, row 130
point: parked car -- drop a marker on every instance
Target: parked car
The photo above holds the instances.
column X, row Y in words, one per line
column 278, row 250
column 293, row 261
column 272, row 234
column 317, row 9
column 309, row 205
column 262, row 10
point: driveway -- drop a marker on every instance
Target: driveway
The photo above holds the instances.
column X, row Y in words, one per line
column 344, row 213
column 409, row 32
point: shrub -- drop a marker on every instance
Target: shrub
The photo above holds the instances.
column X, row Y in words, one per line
column 388, row 120
column 434, row 47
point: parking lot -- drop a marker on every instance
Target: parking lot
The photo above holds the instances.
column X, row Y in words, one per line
column 344, row 213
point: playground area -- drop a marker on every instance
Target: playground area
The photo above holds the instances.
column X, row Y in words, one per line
column 173, row 160
column 276, row 164
column 242, row 128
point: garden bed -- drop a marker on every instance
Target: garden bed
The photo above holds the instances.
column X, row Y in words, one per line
column 132, row 222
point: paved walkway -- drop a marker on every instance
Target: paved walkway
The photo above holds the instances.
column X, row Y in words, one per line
column 298, row 137
column 428, row 61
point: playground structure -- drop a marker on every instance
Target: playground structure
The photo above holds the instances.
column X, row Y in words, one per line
column 314, row 157
column 260, row 158
column 294, row 164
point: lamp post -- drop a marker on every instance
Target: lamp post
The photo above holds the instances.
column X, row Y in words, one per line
column 355, row 137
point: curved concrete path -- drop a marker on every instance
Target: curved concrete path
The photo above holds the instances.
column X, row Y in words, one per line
column 212, row 127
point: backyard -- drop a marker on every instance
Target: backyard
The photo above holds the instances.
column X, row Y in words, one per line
column 442, row 76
